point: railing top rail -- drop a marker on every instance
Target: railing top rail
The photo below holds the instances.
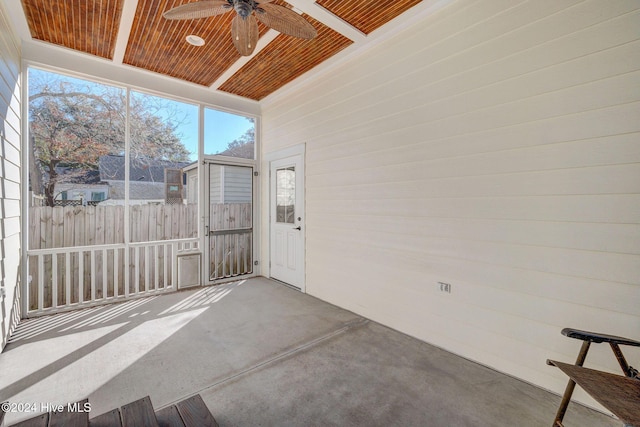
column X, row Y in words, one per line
column 160, row 242
column 66, row 249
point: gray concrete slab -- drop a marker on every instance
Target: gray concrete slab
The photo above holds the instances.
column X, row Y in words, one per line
column 261, row 353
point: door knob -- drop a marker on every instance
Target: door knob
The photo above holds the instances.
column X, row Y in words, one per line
column 297, row 228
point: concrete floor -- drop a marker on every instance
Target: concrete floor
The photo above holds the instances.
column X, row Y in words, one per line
column 260, row 353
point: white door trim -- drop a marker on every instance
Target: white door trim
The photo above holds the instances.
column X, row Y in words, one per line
column 286, row 152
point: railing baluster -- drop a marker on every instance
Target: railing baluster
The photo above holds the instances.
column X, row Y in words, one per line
column 147, row 267
column 54, row 280
column 137, row 269
column 127, row 271
column 40, row 282
column 165, row 265
column 67, row 276
column 104, row 273
column 92, row 259
column 115, row 272
column 156, row 267
column 80, row 277
column 174, row 265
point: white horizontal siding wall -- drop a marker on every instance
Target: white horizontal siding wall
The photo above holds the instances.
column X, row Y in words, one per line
column 10, row 131
column 494, row 146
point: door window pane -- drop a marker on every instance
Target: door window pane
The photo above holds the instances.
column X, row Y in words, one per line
column 285, row 195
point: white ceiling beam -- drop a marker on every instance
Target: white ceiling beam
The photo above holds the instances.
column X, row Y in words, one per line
column 319, row 13
column 124, row 30
column 82, row 65
column 262, row 43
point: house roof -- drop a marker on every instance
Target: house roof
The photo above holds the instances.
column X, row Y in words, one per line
column 111, row 168
column 70, row 175
column 135, row 34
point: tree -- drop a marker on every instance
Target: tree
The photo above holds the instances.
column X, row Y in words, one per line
column 71, row 129
column 74, row 122
column 152, row 136
column 244, row 146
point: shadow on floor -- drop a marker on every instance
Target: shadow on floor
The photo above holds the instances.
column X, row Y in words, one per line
column 260, row 353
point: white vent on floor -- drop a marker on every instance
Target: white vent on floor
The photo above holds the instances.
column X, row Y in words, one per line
column 188, row 270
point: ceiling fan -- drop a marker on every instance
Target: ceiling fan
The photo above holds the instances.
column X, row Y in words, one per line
column 244, row 27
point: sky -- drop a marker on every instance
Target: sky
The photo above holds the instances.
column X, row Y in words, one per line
column 219, row 130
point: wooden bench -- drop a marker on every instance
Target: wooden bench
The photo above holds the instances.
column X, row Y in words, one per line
column 191, row 412
column 619, row 394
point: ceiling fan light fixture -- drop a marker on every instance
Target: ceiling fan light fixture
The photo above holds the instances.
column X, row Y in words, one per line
column 244, row 26
column 194, row 40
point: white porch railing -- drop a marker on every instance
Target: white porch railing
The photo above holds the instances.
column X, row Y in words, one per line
column 73, row 277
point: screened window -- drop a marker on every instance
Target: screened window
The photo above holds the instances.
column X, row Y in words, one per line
column 227, row 134
column 163, row 142
column 73, row 125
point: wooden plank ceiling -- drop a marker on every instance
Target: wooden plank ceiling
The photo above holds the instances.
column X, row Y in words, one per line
column 158, row 45
column 284, row 59
column 86, row 26
column 367, row 15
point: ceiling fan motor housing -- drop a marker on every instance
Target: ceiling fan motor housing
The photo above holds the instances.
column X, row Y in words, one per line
column 243, row 7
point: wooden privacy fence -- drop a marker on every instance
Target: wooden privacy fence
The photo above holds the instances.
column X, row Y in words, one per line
column 68, row 226
column 231, row 240
column 77, row 254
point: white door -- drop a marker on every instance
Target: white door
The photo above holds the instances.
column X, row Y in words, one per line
column 287, row 221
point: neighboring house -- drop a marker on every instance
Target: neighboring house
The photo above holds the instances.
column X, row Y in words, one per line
column 191, row 176
column 147, row 179
column 81, row 186
column 227, row 184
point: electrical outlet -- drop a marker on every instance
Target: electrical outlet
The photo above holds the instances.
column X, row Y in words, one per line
column 444, row 287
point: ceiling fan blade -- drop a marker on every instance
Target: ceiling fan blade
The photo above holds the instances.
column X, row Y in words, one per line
column 285, row 21
column 198, row 9
column 245, row 34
